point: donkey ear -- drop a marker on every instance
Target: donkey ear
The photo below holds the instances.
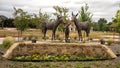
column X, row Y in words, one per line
column 76, row 15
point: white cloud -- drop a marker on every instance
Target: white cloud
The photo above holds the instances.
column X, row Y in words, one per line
column 99, row 8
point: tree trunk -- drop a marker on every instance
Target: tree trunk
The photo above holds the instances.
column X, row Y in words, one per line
column 18, row 35
column 119, row 37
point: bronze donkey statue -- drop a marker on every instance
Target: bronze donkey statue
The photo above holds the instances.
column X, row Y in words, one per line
column 51, row 26
column 81, row 26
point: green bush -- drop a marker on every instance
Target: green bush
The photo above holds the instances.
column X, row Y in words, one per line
column 8, row 41
column 118, row 65
column 109, row 42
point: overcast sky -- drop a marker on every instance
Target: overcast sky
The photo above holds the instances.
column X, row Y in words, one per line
column 99, row 8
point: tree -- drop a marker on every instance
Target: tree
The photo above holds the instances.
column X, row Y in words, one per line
column 21, row 20
column 95, row 26
column 101, row 23
column 2, row 20
column 85, row 15
column 117, row 18
column 61, row 11
column 41, row 18
column 9, row 22
column 114, row 20
column 106, row 27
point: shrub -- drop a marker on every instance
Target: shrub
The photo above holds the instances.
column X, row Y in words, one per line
column 8, row 41
column 30, row 37
column 109, row 42
column 79, row 65
column 59, row 37
column 118, row 65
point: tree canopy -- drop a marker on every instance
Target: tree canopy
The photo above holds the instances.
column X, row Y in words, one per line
column 37, row 20
column 2, row 19
column 85, row 15
column 102, row 23
column 118, row 21
column 21, row 20
column 63, row 12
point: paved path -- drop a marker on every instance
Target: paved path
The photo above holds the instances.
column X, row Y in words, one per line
column 115, row 48
column 1, row 40
column 108, row 37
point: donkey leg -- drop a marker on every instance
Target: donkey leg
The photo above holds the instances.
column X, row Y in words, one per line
column 87, row 34
column 80, row 35
column 53, row 35
column 45, row 34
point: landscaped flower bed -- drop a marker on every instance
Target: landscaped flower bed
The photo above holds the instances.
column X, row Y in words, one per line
column 58, row 52
column 64, row 57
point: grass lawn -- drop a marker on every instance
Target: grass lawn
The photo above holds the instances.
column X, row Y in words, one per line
column 76, row 64
column 38, row 33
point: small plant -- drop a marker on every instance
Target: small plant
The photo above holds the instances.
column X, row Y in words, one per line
column 109, row 42
column 8, row 41
column 87, row 66
column 33, row 37
column 46, row 57
column 30, row 37
column 57, row 36
column 26, row 38
column 79, row 65
column 118, row 65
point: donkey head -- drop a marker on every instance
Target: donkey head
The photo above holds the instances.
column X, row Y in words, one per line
column 60, row 19
column 73, row 18
column 67, row 25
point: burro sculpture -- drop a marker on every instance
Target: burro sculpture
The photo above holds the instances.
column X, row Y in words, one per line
column 81, row 26
column 51, row 26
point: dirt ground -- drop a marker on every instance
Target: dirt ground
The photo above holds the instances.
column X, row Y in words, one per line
column 113, row 63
